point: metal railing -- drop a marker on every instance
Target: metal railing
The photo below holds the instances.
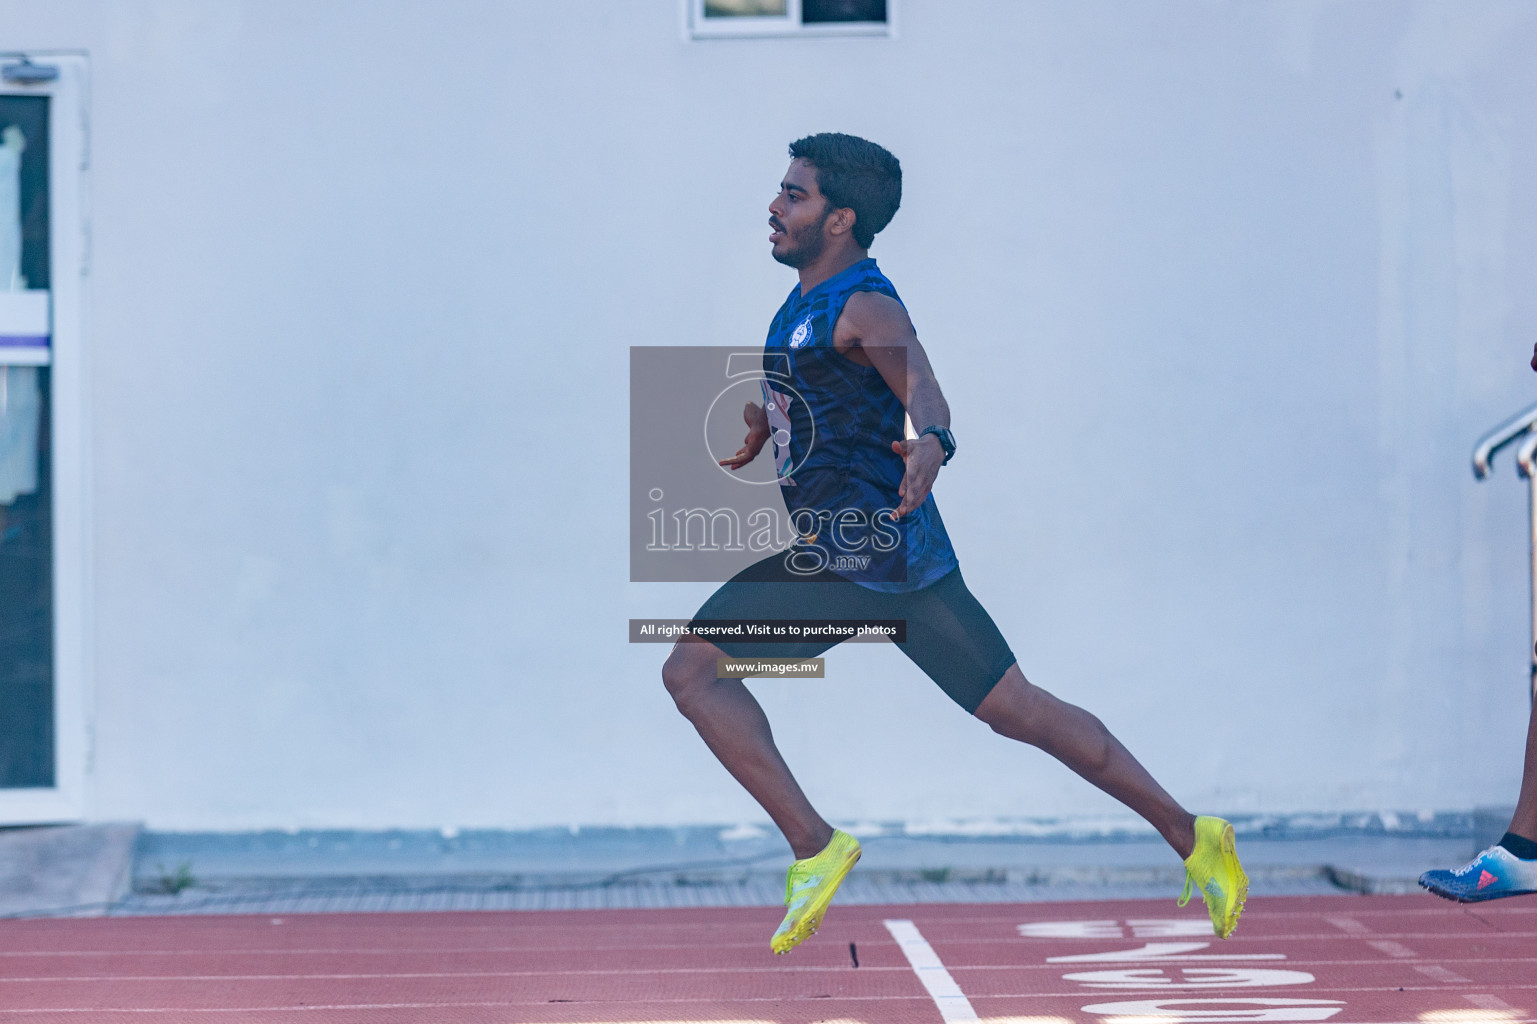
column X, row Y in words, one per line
column 1521, row 427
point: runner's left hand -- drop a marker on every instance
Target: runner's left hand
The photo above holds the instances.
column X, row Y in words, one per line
column 757, row 436
column 923, row 457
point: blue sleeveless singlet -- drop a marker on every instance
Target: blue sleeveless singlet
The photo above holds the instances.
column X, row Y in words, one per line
column 832, row 422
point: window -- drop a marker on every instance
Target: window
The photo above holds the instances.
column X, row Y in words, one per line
column 26, row 516
column 44, row 575
column 715, row 18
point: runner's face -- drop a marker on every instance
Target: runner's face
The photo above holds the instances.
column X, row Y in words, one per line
column 797, row 216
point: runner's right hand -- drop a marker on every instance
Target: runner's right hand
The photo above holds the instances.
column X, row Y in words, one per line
column 757, row 436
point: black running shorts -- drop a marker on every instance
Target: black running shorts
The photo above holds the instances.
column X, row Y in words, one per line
column 949, row 634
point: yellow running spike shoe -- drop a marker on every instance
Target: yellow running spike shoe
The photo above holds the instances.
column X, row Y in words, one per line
column 1214, row 869
column 809, row 889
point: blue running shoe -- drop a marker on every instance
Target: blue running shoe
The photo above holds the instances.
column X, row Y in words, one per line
column 1492, row 874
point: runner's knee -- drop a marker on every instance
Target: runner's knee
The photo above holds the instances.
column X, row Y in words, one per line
column 1018, row 709
column 1031, row 715
column 684, row 675
column 676, row 675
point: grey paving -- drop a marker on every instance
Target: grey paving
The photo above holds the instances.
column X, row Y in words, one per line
column 1398, row 844
column 1022, row 861
column 76, row 870
column 298, row 896
column 312, row 872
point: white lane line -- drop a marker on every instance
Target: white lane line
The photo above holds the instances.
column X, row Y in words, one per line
column 1491, row 1003
column 642, row 972
column 754, row 944
column 1434, row 972
column 947, row 995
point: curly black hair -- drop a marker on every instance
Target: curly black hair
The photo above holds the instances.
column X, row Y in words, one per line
column 854, row 173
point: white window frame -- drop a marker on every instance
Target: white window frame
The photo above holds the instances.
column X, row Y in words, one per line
column 69, row 255
column 787, row 24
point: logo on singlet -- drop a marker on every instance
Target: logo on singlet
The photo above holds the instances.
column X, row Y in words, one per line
column 802, row 333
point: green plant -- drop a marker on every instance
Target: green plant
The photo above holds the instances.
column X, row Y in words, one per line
column 170, row 882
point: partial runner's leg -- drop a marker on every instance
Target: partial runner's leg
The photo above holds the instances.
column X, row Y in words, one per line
column 953, row 639
column 1524, row 822
column 1019, row 710
column 736, row 730
column 1509, row 867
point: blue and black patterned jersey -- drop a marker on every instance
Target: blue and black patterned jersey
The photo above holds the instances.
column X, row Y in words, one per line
column 832, row 422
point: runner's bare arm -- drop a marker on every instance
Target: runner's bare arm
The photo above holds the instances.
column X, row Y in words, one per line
column 876, row 327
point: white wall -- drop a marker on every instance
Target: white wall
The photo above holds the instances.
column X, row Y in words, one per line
column 1219, row 315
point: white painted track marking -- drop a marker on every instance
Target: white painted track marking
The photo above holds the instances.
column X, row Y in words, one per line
column 1349, row 925
column 1394, row 949
column 947, row 995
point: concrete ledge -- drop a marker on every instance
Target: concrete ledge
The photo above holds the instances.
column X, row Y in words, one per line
column 74, row 870
column 1370, row 885
column 400, row 870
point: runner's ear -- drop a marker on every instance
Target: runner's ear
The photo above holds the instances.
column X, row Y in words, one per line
column 842, row 221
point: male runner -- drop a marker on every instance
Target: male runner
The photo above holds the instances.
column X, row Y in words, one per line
column 1509, row 867
column 841, row 366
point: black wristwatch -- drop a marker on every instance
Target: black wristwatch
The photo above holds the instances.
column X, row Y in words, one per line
column 946, row 440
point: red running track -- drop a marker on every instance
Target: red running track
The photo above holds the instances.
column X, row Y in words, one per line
column 1344, row 959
